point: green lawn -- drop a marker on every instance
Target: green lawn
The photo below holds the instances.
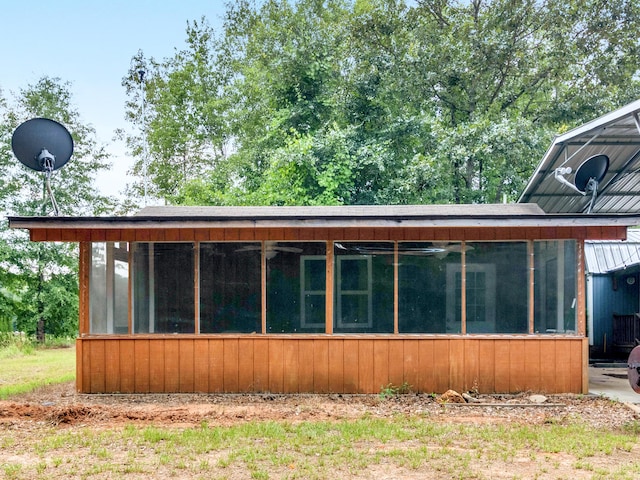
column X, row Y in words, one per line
column 23, row 372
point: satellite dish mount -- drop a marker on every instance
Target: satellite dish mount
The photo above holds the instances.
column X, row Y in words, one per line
column 587, row 178
column 43, row 145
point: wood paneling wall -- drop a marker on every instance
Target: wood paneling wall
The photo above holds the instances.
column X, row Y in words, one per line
column 291, row 234
column 331, row 364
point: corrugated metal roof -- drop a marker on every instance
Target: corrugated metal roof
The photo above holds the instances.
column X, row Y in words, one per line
column 604, row 256
column 616, row 135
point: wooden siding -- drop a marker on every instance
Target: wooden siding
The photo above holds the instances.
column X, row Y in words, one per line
column 362, row 233
column 331, row 364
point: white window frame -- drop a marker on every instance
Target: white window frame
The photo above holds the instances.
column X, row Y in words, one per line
column 341, row 293
column 304, row 292
column 489, row 324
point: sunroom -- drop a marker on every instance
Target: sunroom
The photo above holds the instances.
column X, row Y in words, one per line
column 332, row 299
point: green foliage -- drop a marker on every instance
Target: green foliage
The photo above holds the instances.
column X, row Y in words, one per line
column 391, row 390
column 373, row 101
column 39, row 280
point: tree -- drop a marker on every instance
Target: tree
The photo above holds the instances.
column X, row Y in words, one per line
column 374, row 101
column 179, row 111
column 39, row 280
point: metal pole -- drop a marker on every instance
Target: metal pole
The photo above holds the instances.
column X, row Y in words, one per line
column 141, row 74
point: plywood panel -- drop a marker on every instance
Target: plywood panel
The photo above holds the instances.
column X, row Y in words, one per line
column 396, row 362
column 97, row 362
column 321, row 365
column 547, row 366
column 261, row 364
column 365, row 366
column 290, row 366
column 127, row 366
column 517, row 367
column 486, row 369
column 575, row 367
column 426, row 379
column 563, row 361
column 80, row 382
column 246, row 234
column 216, row 365
column 245, row 365
column 380, row 364
column 336, row 366
column 201, row 235
column 276, row 365
column 86, row 366
column 142, row 362
column 411, row 364
column 441, row 365
column 456, row 364
column 350, row 365
column 172, row 365
column 305, row 366
column 187, row 365
column 471, row 365
column 112, row 366
column 230, row 365
column 532, row 369
column 502, row 367
column 216, row 234
column 201, row 365
column 156, row 365
column 231, row 234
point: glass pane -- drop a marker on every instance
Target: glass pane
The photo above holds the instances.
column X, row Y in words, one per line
column 98, row 288
column 497, row 287
column 555, row 286
column 121, row 288
column 363, row 287
column 230, row 290
column 422, row 287
column 296, row 279
column 164, row 288
column 109, row 288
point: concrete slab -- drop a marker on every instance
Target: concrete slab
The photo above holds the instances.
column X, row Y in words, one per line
column 612, row 383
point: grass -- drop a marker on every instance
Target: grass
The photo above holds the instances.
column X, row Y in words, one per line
column 400, row 446
column 25, row 367
column 416, row 446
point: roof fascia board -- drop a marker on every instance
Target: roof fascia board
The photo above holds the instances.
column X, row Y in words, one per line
column 440, row 221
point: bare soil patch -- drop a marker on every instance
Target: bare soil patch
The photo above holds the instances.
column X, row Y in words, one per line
column 61, row 405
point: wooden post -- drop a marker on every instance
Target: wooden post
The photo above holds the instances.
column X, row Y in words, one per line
column 329, row 290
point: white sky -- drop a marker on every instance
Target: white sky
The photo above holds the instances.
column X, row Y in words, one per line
column 90, row 44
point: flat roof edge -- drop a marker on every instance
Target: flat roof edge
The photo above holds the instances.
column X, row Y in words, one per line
column 548, row 220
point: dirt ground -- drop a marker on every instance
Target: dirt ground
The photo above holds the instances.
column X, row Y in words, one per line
column 61, row 408
column 60, row 405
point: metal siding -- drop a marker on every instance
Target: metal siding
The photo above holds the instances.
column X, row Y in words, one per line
column 607, row 302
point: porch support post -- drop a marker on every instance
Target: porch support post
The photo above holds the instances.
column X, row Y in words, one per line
column 580, row 286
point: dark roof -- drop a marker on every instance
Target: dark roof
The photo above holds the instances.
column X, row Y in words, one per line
column 616, row 135
column 486, row 215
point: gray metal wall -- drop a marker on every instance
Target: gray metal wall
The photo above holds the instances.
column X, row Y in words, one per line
column 611, row 295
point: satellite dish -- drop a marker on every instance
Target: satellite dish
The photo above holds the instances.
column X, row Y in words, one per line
column 42, row 144
column 592, row 169
column 633, row 372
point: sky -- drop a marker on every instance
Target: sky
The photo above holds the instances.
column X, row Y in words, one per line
column 90, row 45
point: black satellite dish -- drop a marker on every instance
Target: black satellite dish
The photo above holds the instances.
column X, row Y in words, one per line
column 42, row 144
column 593, row 168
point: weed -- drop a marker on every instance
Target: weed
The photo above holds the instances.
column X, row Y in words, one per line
column 391, row 390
